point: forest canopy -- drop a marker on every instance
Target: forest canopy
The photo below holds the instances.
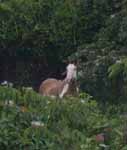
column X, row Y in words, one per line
column 40, row 27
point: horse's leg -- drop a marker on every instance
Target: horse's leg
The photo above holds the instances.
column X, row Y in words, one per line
column 65, row 89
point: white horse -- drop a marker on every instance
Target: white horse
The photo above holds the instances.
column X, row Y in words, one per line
column 53, row 87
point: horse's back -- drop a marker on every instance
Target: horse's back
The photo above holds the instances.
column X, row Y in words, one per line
column 50, row 87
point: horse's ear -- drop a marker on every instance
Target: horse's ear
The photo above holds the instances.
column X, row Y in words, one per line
column 76, row 63
column 70, row 61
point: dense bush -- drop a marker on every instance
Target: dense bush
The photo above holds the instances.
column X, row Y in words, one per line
column 118, row 77
column 56, row 28
column 30, row 121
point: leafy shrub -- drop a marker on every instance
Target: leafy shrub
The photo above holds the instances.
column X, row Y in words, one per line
column 36, row 122
column 118, row 77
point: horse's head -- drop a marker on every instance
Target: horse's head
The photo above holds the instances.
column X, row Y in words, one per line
column 71, row 72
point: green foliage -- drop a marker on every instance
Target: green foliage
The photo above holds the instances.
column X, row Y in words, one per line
column 115, row 70
column 36, row 122
column 56, row 28
column 38, row 28
column 118, row 75
column 107, row 46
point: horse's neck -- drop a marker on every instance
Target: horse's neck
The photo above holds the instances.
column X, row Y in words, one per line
column 67, row 81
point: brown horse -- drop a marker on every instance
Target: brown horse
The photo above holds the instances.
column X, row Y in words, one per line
column 53, row 87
